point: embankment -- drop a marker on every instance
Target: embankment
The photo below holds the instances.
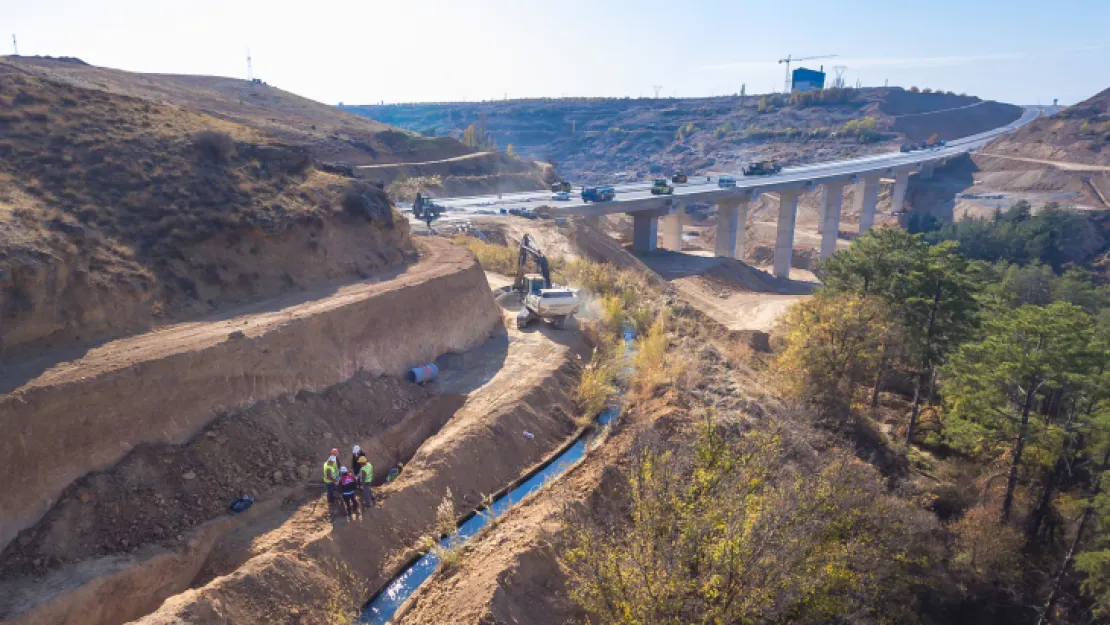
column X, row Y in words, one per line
column 69, row 418
column 956, row 122
column 310, row 566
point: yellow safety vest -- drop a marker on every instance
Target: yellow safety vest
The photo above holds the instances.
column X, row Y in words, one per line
column 329, row 473
column 366, row 473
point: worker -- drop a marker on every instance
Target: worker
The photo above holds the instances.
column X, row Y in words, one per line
column 365, row 476
column 348, row 487
column 331, row 475
column 356, row 453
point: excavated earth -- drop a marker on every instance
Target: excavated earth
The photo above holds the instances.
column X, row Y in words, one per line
column 149, row 533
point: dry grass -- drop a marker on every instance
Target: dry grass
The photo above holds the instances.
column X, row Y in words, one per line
column 491, row 256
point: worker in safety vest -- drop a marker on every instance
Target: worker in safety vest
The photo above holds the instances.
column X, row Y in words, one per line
column 365, row 476
column 331, row 474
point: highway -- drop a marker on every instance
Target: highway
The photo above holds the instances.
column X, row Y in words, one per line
column 632, row 196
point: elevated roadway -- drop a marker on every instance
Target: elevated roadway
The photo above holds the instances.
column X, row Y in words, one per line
column 648, row 210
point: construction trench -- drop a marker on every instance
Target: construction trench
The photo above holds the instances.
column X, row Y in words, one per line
column 162, row 432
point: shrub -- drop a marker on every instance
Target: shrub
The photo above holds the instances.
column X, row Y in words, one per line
column 213, row 146
column 491, row 256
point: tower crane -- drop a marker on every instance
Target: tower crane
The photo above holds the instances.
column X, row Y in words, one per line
column 789, row 59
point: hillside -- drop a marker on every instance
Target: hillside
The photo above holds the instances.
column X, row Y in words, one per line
column 118, row 213
column 1077, row 134
column 331, row 134
column 590, row 139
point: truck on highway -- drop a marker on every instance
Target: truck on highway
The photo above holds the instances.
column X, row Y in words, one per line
column 726, row 181
column 561, row 185
column 679, row 178
column 763, row 168
column 659, row 186
column 598, row 194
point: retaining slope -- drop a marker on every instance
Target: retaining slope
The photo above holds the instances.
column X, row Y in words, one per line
column 164, row 386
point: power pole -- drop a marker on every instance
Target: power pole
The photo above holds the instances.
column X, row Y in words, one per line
column 15, row 46
column 657, row 88
column 250, row 73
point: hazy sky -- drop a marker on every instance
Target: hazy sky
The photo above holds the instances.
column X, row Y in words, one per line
column 1022, row 51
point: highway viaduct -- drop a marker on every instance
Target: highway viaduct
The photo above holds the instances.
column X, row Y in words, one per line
column 650, row 213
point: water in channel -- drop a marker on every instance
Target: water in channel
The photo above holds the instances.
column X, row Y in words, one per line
column 383, row 606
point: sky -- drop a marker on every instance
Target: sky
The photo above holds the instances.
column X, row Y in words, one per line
column 1019, row 51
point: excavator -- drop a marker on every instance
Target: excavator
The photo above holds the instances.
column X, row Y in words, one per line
column 424, row 206
column 540, row 298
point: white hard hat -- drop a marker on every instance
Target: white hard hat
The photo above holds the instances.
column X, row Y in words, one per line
column 356, row 449
column 342, row 469
column 331, row 458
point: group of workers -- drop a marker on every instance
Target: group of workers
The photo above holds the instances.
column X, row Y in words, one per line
column 341, row 481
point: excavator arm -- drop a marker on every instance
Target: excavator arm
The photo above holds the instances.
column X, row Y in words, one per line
column 530, row 252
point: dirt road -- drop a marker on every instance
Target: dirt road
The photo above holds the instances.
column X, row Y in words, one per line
column 1064, row 165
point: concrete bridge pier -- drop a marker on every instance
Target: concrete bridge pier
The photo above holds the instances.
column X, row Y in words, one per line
column 867, row 199
column 926, row 171
column 898, row 196
column 672, row 229
column 645, row 229
column 784, row 239
column 831, row 201
column 732, row 221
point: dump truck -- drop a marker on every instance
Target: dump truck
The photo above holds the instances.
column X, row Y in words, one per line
column 562, row 185
column 598, row 194
column 763, row 168
column 679, row 178
column 540, row 298
column 659, row 186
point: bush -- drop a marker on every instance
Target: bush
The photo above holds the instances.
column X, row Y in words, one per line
column 492, row 257
column 725, row 532
column 215, row 147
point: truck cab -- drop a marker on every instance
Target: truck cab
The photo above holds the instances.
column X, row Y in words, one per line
column 726, row 181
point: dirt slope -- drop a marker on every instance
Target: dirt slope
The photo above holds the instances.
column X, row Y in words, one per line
column 330, row 133
column 1079, row 133
column 479, row 450
column 164, row 386
column 117, row 214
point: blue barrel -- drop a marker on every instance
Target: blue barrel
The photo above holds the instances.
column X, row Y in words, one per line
column 420, row 375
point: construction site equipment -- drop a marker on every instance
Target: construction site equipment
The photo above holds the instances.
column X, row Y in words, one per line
column 598, row 194
column 659, row 186
column 562, row 185
column 789, row 59
column 424, row 206
column 763, row 168
column 932, row 142
column 540, row 298
column 420, row 375
column 679, row 178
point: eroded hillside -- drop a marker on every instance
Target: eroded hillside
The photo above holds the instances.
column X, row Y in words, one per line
column 118, row 212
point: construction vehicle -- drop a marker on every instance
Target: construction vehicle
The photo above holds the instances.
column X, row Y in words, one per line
column 540, row 298
column 930, row 143
column 659, row 186
column 679, row 178
column 562, row 185
column 598, row 194
column 424, row 206
column 763, row 168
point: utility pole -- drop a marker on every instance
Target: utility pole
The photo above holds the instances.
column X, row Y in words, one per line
column 15, row 46
column 657, row 88
column 250, row 72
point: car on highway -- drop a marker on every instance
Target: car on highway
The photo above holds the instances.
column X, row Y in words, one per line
column 560, row 196
column 726, row 182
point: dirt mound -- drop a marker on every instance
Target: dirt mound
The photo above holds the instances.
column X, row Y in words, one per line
column 1079, row 133
column 117, row 214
